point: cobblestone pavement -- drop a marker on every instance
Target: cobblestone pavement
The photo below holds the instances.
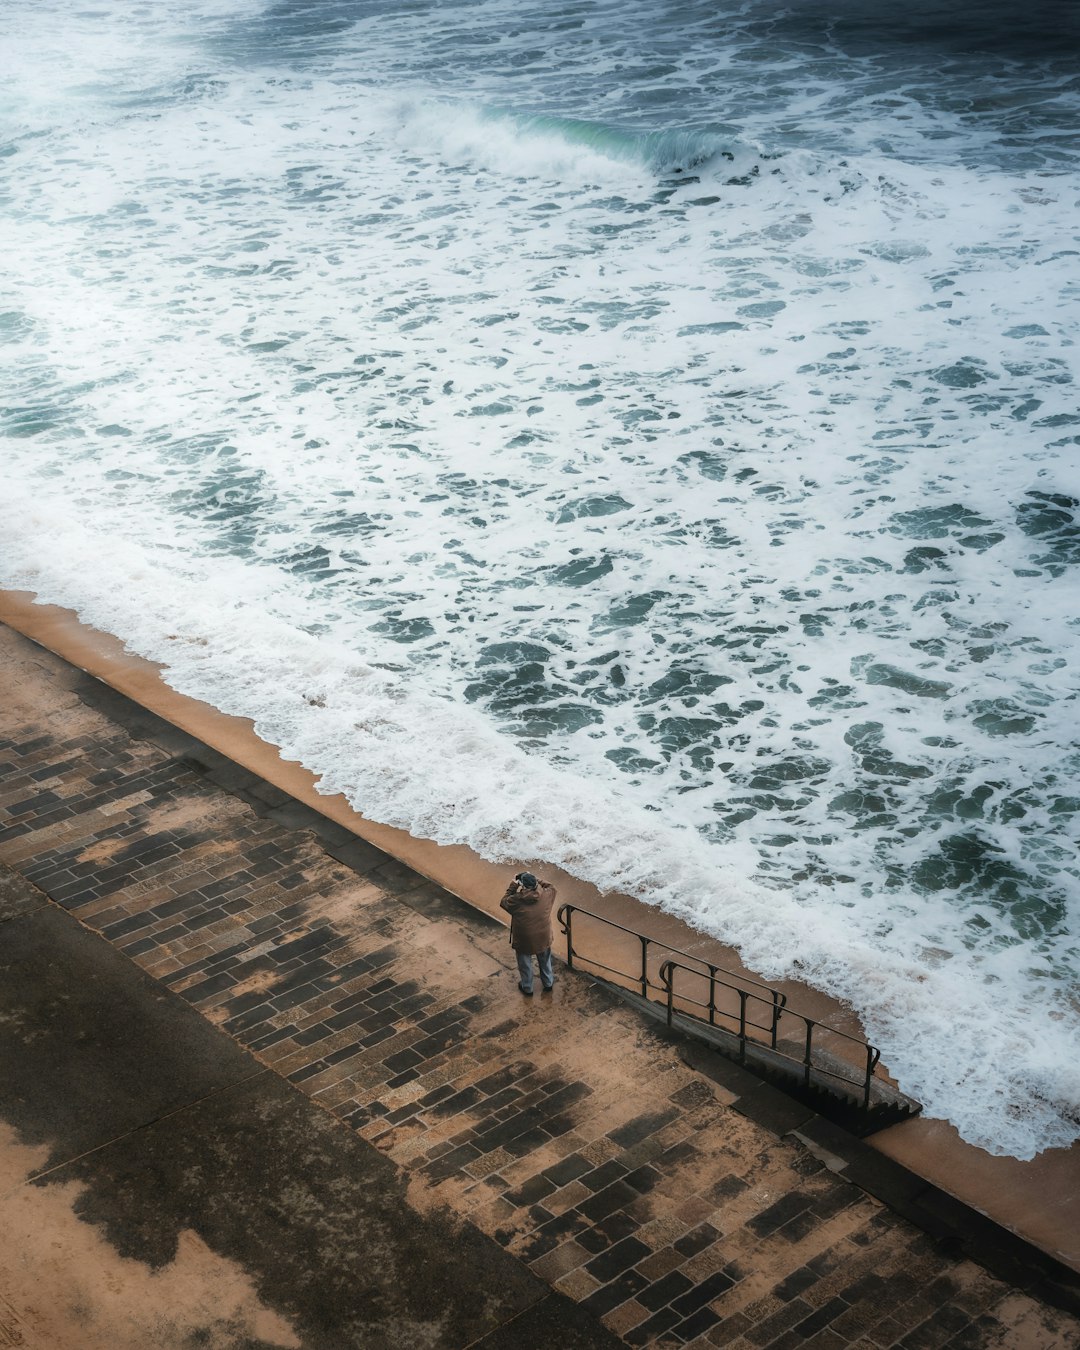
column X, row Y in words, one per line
column 563, row 1125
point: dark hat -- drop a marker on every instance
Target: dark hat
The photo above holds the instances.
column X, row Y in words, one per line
column 527, row 880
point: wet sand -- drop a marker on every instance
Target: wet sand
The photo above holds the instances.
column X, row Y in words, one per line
column 1039, row 1200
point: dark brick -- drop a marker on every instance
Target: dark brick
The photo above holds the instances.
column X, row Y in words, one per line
column 566, row 1095
column 780, row 1213
column 536, row 1188
column 605, row 1202
column 189, row 900
column 771, row 1330
column 525, row 1143
column 703, row 1293
column 617, row 1226
column 347, row 1004
column 603, row 1175
column 129, row 925
column 377, row 1036
column 822, row 1317
column 569, row 1169
column 616, row 1259
column 437, row 1095
column 676, row 1155
column 32, row 803
column 402, row 1113
column 407, row 1006
column 319, row 939
column 159, row 854
column 460, row 1101
column 264, row 925
column 551, row 1234
column 647, row 1332
column 660, row 1294
column 348, row 1018
column 294, row 997
column 704, row 1235
column 869, row 1286
column 403, row 1059
column 340, row 1056
column 61, row 890
column 643, row 1179
column 494, row 1105
column 137, row 948
column 380, row 1001
column 838, row 1197
column 214, row 985
column 306, row 1071
column 696, row 1324
column 603, row 1300
column 499, row 1132
column 440, row 1021
column 313, row 1034
column 255, row 1042
column 249, row 1010
column 797, row 1228
column 84, row 897
column 798, row 1281
column 597, row 1237
column 431, row 1046
column 202, row 920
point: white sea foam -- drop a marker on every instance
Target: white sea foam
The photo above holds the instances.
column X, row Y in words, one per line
column 410, row 405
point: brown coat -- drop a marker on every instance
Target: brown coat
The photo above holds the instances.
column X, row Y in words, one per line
column 530, row 917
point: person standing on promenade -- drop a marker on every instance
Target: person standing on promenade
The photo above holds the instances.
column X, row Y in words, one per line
column 529, row 903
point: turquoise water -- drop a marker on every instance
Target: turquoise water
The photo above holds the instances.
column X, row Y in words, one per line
column 637, row 438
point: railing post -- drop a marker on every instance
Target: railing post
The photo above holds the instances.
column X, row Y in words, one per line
column 777, row 1004
column 667, row 979
column 712, row 995
column 872, row 1057
column 644, row 966
column 807, row 1057
column 742, row 1026
column 569, row 910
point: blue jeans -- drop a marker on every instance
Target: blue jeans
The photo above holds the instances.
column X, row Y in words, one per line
column 525, row 969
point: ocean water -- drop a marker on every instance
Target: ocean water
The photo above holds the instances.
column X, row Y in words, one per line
column 641, row 437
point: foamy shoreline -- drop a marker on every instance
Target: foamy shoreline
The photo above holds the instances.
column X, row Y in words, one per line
column 1039, row 1200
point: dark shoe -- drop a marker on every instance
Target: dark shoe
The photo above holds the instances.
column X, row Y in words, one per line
column 547, row 988
column 527, row 992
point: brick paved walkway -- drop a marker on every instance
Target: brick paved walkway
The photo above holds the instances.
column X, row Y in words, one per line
column 563, row 1125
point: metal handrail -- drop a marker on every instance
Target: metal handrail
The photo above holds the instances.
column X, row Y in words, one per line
column 873, row 1055
column 760, row 993
column 564, row 916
